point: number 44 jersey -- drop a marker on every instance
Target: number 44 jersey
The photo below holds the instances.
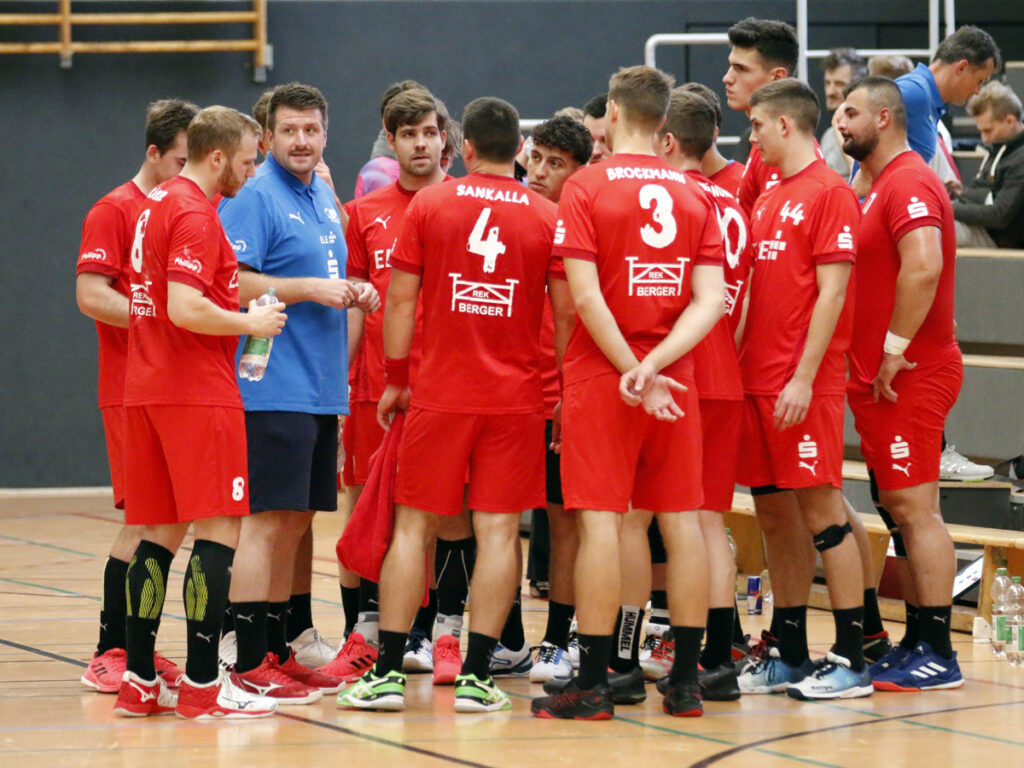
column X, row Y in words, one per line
column 645, row 225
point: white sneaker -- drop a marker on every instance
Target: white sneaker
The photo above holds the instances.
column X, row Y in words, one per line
column 311, row 650
column 223, row 698
column 953, row 466
column 552, row 664
column 419, row 654
column 654, row 634
column 506, row 661
column 227, row 651
column 574, row 645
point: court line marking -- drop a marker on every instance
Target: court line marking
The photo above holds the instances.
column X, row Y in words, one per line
column 48, row 546
column 41, row 652
column 69, row 593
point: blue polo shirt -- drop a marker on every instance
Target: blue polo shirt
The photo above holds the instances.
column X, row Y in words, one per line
column 280, row 226
column 924, row 110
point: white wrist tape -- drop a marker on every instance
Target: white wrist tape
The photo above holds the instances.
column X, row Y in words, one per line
column 895, row 345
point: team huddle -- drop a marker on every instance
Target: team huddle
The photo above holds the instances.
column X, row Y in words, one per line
column 597, row 339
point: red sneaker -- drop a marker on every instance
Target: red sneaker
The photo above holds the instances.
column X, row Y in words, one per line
column 269, row 680
column 106, row 671
column 168, row 671
column 307, row 676
column 447, row 660
column 355, row 657
column 141, row 698
column 223, row 698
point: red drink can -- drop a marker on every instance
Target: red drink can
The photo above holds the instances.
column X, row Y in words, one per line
column 754, row 603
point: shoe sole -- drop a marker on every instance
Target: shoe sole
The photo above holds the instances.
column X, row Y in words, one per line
column 857, row 692
column 516, row 671
column 628, row 698
column 725, row 696
column 548, row 678
column 470, row 706
column 653, row 674
column 416, row 666
column 221, row 715
column 545, row 715
column 882, row 685
column 391, row 703
column 99, row 687
column 128, row 713
column 697, row 712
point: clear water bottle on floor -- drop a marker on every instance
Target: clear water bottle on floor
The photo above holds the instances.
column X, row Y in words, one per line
column 1000, row 589
column 1015, row 612
column 732, row 542
column 256, row 352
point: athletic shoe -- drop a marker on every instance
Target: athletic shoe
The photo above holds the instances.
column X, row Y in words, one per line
column 552, row 664
column 506, row 662
column 921, row 670
column 475, row 695
column 142, row 698
column 876, row 646
column 740, row 651
column 892, row 659
column 311, row 650
column 268, row 679
column 759, row 651
column 683, row 700
column 659, row 663
column 573, row 645
column 223, row 698
column 447, row 660
column 168, row 671
column 772, row 675
column 300, row 673
column 572, row 703
column 227, row 650
column 418, row 656
column 372, row 691
column 354, row 658
column 651, row 640
column 626, row 687
column 105, row 672
column 719, row 683
column 540, row 589
column 832, row 680
column 953, row 466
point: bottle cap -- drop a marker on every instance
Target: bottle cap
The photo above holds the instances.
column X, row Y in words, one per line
column 1015, row 579
column 1000, row 571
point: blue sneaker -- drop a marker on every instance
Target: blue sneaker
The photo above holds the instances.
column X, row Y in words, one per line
column 772, row 674
column 506, row 661
column 832, row 679
column 922, row 670
column 892, row 659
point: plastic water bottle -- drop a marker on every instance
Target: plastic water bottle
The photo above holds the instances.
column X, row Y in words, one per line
column 1000, row 589
column 256, row 352
column 732, row 542
column 1015, row 612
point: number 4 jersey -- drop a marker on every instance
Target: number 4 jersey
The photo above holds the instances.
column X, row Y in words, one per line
column 645, row 225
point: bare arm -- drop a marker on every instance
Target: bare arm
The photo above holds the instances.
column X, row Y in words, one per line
column 564, row 313
column 399, row 327
column 706, row 306
column 188, row 308
column 594, row 314
column 98, row 299
column 291, row 290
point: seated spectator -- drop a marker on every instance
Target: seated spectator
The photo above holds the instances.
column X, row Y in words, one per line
column 842, row 66
column 990, row 211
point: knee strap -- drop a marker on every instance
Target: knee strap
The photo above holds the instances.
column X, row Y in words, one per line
column 831, row 537
column 765, row 490
column 894, row 530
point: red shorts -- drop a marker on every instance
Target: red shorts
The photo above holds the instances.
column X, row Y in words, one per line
column 614, row 454
column 184, row 462
column 504, row 454
column 722, row 421
column 902, row 441
column 802, row 456
column 360, row 436
column 113, row 430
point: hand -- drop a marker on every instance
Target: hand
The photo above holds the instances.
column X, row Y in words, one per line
column 266, row 321
column 367, row 298
column 556, row 428
column 891, row 365
column 324, row 173
column 634, row 383
column 393, row 399
column 792, row 404
column 955, row 188
column 659, row 401
column 341, row 444
column 333, row 293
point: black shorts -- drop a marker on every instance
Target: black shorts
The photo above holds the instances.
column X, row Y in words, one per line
column 293, row 461
column 552, row 466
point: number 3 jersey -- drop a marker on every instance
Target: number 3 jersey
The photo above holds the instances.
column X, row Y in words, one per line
column 482, row 246
column 645, row 226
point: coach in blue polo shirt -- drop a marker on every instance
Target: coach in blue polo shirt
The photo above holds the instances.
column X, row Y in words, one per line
column 287, row 233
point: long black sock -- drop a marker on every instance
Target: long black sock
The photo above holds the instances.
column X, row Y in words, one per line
column 453, row 566
column 300, row 615
column 392, row 649
column 479, row 650
column 205, row 591
column 850, row 635
column 626, row 653
column 718, row 648
column 912, row 632
column 792, row 634
column 228, row 625
column 251, row 633
column 773, row 626
column 659, row 608
column 737, row 627
column 425, row 616
column 594, row 653
column 684, row 665
column 145, row 587
column 872, row 617
column 513, row 636
column 559, row 620
column 277, row 620
column 350, row 607
column 369, row 596
column 934, row 628
column 113, row 607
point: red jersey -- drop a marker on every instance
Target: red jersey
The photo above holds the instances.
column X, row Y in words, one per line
column 729, row 178
column 482, row 245
column 905, row 196
column 810, row 218
column 758, row 177
column 645, row 225
column 179, row 238
column 716, row 366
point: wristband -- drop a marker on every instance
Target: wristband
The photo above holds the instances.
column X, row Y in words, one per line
column 396, row 372
column 895, row 345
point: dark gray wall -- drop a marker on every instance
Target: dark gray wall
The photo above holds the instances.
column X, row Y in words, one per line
column 70, row 136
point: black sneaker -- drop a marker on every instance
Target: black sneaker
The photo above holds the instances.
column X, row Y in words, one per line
column 626, row 687
column 719, row 683
column 571, row 703
column 876, row 646
column 683, row 700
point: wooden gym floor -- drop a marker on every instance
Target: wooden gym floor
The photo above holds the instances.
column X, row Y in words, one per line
column 51, row 559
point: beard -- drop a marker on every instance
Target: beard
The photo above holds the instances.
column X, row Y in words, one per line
column 859, row 149
column 228, row 182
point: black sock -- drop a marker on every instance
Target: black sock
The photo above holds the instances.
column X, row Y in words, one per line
column 594, row 653
column 773, row 626
column 934, row 628
column 850, row 635
column 718, row 648
column 453, row 566
column 872, row 618
column 559, row 620
column 228, row 625
column 737, row 627
column 513, row 636
column 300, row 615
column 684, row 665
column 792, row 634
column 392, row 649
column 626, row 653
column 250, row 633
column 145, row 587
column 205, row 591
column 369, row 596
column 424, row 623
column 277, row 620
column 912, row 632
column 659, row 608
column 479, row 650
column 350, row 607
column 113, row 607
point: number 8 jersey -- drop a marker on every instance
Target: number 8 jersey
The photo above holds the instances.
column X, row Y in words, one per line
column 646, row 226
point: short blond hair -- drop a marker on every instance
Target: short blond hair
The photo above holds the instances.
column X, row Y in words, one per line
column 220, row 128
column 643, row 93
column 998, row 97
